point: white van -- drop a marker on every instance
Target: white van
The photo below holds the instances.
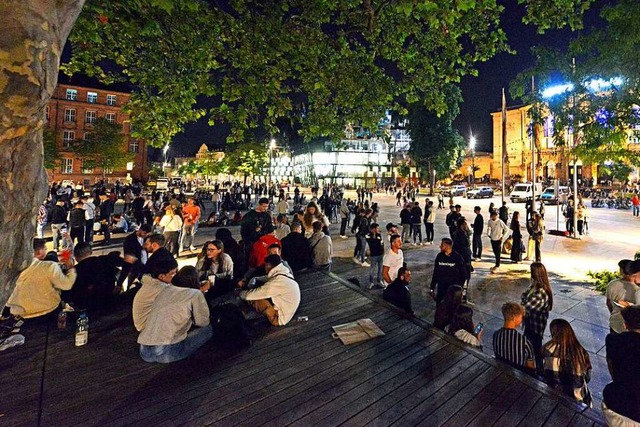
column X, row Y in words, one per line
column 524, row 191
column 549, row 195
column 162, row 184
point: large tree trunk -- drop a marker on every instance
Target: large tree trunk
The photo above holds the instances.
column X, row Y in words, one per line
column 33, row 35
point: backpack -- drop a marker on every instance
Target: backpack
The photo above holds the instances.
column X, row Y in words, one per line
column 230, row 326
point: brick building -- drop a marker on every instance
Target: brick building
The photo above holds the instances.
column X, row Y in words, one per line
column 71, row 113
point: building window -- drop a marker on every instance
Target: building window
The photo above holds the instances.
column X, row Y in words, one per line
column 72, row 94
column 70, row 115
column 46, row 113
column 92, row 97
column 111, row 117
column 91, row 117
column 67, row 138
column 134, row 146
column 108, row 171
column 67, row 166
column 112, row 99
column 86, row 170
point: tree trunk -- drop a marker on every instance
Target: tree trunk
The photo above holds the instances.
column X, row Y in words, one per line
column 33, row 35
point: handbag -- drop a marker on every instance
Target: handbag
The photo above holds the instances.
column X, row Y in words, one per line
column 355, row 332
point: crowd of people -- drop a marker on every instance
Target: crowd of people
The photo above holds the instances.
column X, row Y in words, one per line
column 172, row 308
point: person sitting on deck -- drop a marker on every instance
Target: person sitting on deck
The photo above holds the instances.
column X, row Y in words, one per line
column 295, row 249
column 167, row 335
column 159, row 276
column 279, row 297
column 38, row 287
column 96, row 281
column 397, row 293
column 256, row 276
column 509, row 345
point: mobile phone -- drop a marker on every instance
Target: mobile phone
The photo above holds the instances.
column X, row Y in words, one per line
column 478, row 328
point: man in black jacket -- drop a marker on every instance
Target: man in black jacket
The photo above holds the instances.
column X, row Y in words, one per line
column 478, row 228
column 57, row 217
column 134, row 255
column 295, row 249
column 448, row 270
column 397, row 293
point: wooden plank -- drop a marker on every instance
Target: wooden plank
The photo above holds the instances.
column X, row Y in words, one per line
column 561, row 416
column 499, row 406
column 519, row 409
column 580, row 420
column 437, row 377
column 539, row 413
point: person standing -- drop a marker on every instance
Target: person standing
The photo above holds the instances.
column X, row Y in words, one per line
column 462, row 246
column 90, row 208
column 496, row 230
column 361, row 234
column 405, row 223
column 478, row 228
column 416, row 224
column 503, row 213
column 41, row 220
column 376, row 253
column 516, row 234
column 77, row 218
column 620, row 292
column 635, row 204
column 537, row 302
column 440, row 201
column 392, row 261
column 190, row 218
column 254, row 224
column 448, row 270
column 429, row 220
column 344, row 218
column 171, row 224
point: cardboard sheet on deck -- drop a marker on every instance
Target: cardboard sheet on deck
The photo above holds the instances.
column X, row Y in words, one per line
column 358, row 331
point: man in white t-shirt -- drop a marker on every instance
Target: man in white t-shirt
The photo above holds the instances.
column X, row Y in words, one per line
column 392, row 261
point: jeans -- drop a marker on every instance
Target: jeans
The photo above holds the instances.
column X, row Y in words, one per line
column 375, row 271
column 428, row 229
column 636, row 210
column 343, row 226
column 88, row 231
column 40, row 231
column 406, row 228
column 188, row 233
column 55, row 229
column 477, row 245
column 362, row 253
column 496, row 245
column 417, row 232
column 178, row 351
column 171, row 242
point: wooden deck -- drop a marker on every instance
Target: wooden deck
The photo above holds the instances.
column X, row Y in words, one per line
column 297, row 375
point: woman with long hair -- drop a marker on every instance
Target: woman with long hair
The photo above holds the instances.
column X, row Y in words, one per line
column 311, row 215
column 216, row 267
column 516, row 235
column 463, row 328
column 171, row 224
column 231, row 248
column 447, row 307
column 537, row 302
column 566, row 362
column 462, row 244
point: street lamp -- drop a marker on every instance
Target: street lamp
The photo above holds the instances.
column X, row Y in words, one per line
column 472, row 145
column 165, row 150
column 272, row 146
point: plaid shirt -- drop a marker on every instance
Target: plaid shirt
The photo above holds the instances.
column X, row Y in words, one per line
column 536, row 304
column 571, row 383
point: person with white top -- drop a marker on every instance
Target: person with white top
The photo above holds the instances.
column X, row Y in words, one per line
column 392, row 261
column 623, row 292
column 172, row 225
column 496, row 230
column 279, row 297
column 161, row 272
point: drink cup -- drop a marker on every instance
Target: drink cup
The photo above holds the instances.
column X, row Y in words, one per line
column 212, row 279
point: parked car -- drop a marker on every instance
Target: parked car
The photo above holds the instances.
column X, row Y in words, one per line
column 162, row 184
column 524, row 191
column 456, row 190
column 550, row 197
column 480, row 193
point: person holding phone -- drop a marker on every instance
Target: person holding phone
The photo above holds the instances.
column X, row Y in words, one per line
column 463, row 328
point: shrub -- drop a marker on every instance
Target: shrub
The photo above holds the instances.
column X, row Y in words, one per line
column 602, row 278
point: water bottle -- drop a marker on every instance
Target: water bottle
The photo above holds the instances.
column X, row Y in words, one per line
column 82, row 329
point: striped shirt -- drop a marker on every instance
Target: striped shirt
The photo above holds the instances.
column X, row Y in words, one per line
column 511, row 347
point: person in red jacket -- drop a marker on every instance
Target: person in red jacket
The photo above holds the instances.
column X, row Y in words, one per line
column 259, row 250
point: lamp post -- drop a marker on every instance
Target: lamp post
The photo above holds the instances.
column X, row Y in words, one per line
column 272, row 146
column 472, row 145
column 165, row 150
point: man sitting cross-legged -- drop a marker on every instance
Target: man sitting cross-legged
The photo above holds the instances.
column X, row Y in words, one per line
column 279, row 297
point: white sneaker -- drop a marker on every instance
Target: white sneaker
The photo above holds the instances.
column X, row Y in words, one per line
column 192, row 248
column 365, row 264
column 356, row 260
column 343, row 237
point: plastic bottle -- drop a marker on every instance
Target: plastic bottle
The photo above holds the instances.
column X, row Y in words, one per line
column 82, row 329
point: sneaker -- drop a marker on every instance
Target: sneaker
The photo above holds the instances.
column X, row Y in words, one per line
column 377, row 286
column 343, row 237
column 357, row 261
column 495, row 269
column 371, row 285
column 192, row 248
column 365, row 264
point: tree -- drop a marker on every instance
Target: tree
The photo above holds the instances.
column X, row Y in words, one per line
column 104, row 147
column 435, row 144
column 50, row 149
column 322, row 63
column 247, row 159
